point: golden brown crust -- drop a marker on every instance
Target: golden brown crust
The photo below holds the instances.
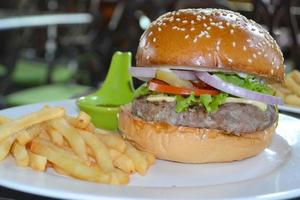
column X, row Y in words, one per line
column 191, row 145
column 213, row 38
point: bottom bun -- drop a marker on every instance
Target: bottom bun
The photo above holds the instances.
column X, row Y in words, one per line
column 191, row 145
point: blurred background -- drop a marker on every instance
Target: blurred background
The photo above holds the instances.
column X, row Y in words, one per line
column 58, row 49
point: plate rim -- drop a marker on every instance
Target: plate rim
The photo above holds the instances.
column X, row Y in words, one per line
column 46, row 192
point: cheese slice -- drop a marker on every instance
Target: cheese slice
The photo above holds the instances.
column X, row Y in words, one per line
column 161, row 97
column 260, row 105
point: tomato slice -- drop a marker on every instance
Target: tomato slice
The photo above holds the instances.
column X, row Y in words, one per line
column 160, row 86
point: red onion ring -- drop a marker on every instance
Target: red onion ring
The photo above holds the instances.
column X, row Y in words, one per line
column 147, row 73
column 229, row 88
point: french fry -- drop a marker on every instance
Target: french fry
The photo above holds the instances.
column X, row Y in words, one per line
column 5, row 147
column 149, row 157
column 23, row 137
column 71, row 135
column 20, row 154
column 114, row 180
column 60, row 170
column 295, row 74
column 44, row 135
column 112, row 140
column 75, row 166
column 138, row 159
column 37, row 162
column 293, row 100
column 27, row 121
column 121, row 176
column 99, row 149
column 291, row 84
column 55, row 136
column 90, row 128
column 90, row 151
column 72, row 146
column 122, row 161
column 26, row 136
column 4, row 120
column 81, row 121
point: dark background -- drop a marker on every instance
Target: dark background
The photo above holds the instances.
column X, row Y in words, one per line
column 33, row 56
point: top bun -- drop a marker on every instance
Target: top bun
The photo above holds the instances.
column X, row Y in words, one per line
column 216, row 39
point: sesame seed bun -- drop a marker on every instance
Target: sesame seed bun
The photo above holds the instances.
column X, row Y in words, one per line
column 191, row 145
column 215, row 39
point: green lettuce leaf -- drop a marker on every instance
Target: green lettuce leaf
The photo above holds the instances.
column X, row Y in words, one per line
column 249, row 83
column 210, row 103
column 183, row 103
column 142, row 90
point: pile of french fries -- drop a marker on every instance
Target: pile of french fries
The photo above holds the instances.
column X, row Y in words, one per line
column 290, row 90
column 72, row 146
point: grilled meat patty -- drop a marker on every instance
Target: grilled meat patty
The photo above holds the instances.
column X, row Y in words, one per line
column 236, row 118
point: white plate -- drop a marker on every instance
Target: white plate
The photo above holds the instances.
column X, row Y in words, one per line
column 289, row 109
column 273, row 174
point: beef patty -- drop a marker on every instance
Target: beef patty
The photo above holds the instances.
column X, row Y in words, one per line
column 236, row 118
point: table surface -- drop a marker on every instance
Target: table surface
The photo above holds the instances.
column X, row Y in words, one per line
column 8, row 194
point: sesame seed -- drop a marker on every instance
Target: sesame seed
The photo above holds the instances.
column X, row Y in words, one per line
column 178, row 19
column 233, row 44
column 221, row 27
column 249, row 60
column 272, row 71
column 182, row 29
column 227, row 24
column 259, row 53
column 208, row 28
column 184, row 21
column 192, row 22
column 154, row 39
column 248, row 40
column 186, row 36
column 254, row 55
column 192, row 29
column 218, row 42
column 205, row 25
column 150, row 33
column 159, row 29
column 265, row 55
column 230, row 60
column 203, row 17
column 207, row 36
column 148, row 57
column 174, row 27
column 231, row 31
column 218, row 48
column 195, row 40
column 210, row 19
column 209, row 54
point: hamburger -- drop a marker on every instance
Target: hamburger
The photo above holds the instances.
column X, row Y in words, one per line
column 206, row 96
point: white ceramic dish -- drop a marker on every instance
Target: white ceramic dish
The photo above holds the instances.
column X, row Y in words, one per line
column 273, row 174
column 289, row 109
